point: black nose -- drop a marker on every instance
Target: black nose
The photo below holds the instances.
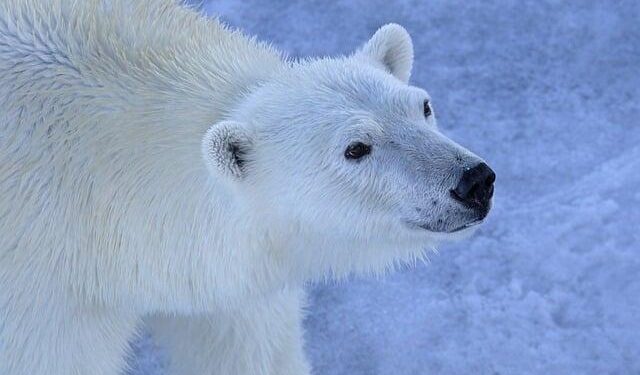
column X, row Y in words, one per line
column 475, row 188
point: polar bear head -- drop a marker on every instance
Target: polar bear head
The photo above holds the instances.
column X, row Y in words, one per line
column 342, row 159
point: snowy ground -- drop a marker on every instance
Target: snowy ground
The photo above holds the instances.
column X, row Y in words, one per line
column 549, row 93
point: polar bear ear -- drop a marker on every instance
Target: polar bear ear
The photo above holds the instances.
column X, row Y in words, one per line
column 225, row 147
column 392, row 49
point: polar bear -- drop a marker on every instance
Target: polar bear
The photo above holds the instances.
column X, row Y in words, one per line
column 158, row 169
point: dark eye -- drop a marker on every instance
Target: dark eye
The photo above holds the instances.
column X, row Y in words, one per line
column 427, row 108
column 357, row 150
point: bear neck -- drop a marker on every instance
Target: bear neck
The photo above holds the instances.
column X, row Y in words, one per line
column 135, row 94
column 199, row 217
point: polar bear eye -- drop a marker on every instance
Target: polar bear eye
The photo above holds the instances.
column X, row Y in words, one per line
column 357, row 150
column 427, row 108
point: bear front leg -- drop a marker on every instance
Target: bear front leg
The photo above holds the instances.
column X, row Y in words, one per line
column 259, row 339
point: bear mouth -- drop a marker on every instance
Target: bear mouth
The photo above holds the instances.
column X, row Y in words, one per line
column 428, row 227
column 467, row 226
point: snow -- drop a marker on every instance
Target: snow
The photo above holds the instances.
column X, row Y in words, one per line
column 549, row 93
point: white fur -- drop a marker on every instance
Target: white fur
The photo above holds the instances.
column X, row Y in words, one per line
column 110, row 215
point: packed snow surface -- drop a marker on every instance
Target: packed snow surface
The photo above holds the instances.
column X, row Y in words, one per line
column 548, row 92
